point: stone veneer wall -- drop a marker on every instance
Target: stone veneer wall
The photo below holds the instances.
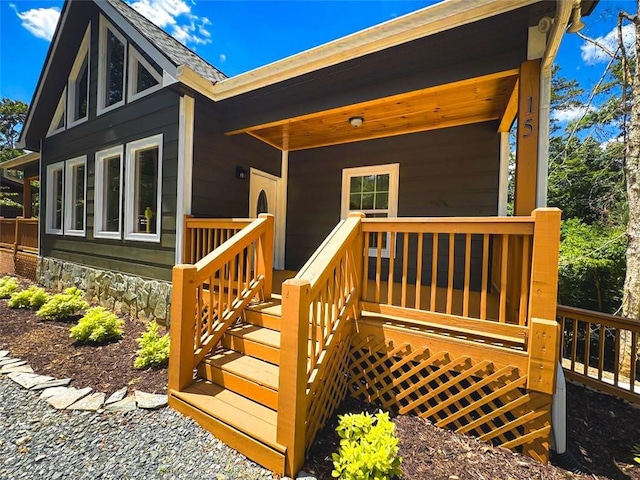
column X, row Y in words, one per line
column 123, row 294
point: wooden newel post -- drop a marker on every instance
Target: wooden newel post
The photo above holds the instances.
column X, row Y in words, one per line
column 183, row 311
column 544, row 331
column 265, row 254
column 359, row 257
column 292, row 400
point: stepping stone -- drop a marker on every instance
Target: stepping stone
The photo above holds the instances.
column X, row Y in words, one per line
column 71, row 396
column 4, row 353
column 116, row 396
column 150, row 401
column 124, row 405
column 9, row 361
column 91, row 402
column 52, row 392
column 28, row 380
column 23, row 368
column 63, row 382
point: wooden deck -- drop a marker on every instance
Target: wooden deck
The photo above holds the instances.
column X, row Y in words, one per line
column 450, row 340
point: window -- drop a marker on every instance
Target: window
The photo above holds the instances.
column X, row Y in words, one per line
column 373, row 191
column 55, row 198
column 75, row 193
column 143, row 77
column 108, row 193
column 78, row 86
column 58, row 122
column 144, row 174
column 111, row 68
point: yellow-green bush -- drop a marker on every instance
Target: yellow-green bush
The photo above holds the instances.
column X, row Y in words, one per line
column 33, row 297
column 8, row 285
column 98, row 326
column 368, row 448
column 154, row 348
column 63, row 305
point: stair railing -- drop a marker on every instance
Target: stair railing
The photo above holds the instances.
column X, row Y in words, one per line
column 316, row 307
column 211, row 295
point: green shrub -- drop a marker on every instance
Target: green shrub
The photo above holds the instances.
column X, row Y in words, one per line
column 154, row 348
column 368, row 448
column 97, row 326
column 63, row 305
column 8, row 285
column 33, row 298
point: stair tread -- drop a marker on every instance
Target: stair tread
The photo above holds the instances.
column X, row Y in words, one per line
column 259, row 371
column 256, row 334
column 273, row 307
column 235, row 410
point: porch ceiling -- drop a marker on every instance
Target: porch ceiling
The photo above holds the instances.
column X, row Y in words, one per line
column 468, row 101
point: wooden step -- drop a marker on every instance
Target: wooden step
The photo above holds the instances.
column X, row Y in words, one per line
column 258, row 342
column 266, row 314
column 248, row 376
column 239, row 422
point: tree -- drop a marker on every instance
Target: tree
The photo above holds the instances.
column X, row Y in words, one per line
column 12, row 116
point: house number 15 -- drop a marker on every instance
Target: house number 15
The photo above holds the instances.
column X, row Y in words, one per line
column 528, row 121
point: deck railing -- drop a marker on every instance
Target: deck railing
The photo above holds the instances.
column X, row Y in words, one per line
column 209, row 296
column 19, row 234
column 601, row 351
column 203, row 235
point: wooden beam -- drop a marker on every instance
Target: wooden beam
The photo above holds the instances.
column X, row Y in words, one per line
column 510, row 111
column 26, row 198
column 527, row 140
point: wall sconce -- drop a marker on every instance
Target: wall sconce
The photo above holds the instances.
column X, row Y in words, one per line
column 241, row 172
column 356, row 122
column 576, row 19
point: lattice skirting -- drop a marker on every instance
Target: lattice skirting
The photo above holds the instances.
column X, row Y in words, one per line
column 470, row 396
column 23, row 264
column 329, row 384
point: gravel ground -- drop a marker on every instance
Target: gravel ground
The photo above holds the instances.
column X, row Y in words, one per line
column 39, row 442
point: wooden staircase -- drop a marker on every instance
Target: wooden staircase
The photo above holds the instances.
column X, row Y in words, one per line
column 235, row 392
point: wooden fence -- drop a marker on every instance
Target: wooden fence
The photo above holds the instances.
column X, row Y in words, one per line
column 19, row 246
column 601, row 351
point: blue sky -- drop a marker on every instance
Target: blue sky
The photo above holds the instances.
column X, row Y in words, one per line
column 240, row 35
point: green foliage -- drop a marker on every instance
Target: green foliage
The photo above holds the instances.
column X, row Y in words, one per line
column 33, row 298
column 12, row 115
column 154, row 348
column 8, row 285
column 368, row 448
column 636, row 453
column 98, row 326
column 592, row 265
column 63, row 305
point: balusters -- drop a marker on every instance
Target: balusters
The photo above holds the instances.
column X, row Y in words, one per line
column 419, row 272
column 434, row 272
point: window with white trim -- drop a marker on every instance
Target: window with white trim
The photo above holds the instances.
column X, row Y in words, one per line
column 75, row 196
column 372, row 190
column 108, row 193
column 143, row 77
column 112, row 63
column 58, row 122
column 55, row 198
column 144, row 189
column 78, row 85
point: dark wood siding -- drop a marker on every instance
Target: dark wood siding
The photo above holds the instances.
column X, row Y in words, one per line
column 151, row 115
column 216, row 190
column 449, row 172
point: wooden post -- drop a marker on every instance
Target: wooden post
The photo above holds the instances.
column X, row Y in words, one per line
column 265, row 255
column 16, row 238
column 543, row 300
column 359, row 257
column 526, row 180
column 26, row 198
column 186, row 246
column 292, row 401
column 183, row 310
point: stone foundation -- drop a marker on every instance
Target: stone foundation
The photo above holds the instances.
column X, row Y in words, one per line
column 123, row 294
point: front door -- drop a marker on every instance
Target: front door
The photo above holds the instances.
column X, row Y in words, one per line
column 263, row 198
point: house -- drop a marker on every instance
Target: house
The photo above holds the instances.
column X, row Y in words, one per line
column 377, row 168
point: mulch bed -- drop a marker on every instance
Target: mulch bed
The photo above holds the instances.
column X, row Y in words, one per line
column 601, row 429
column 50, row 351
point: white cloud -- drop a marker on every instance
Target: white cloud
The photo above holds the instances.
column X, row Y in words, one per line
column 175, row 16
column 40, row 22
column 571, row 113
column 223, row 58
column 592, row 54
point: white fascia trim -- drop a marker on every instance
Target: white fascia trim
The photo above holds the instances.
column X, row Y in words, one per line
column 543, row 138
column 69, row 198
column 50, row 208
column 560, row 22
column 98, row 216
column 134, row 59
column 106, row 26
column 85, row 50
column 425, row 22
column 281, row 218
column 132, row 148
column 136, row 37
column 185, row 169
column 60, row 110
column 503, row 183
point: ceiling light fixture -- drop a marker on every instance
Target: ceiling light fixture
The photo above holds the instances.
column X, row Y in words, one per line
column 356, row 122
